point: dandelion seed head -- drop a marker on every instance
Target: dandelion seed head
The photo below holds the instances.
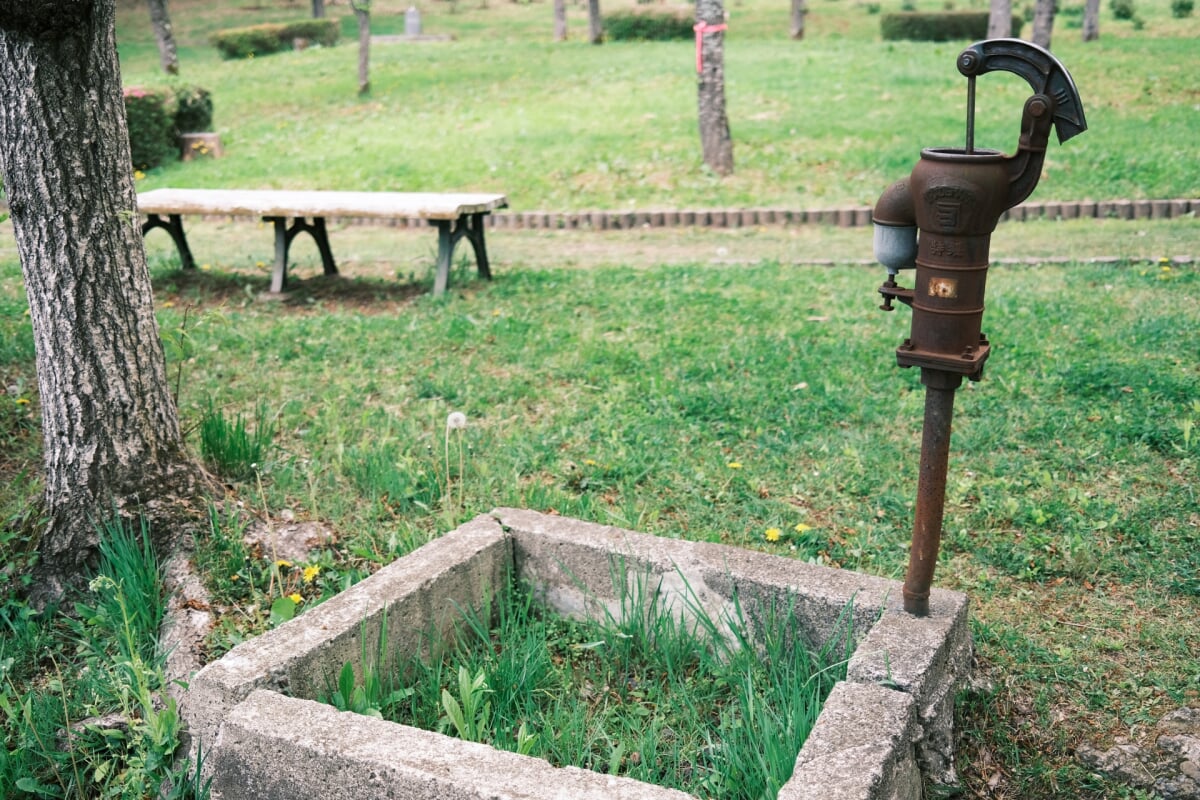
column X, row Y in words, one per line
column 456, row 420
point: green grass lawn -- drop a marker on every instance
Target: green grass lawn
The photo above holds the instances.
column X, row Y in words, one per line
column 702, row 384
column 570, row 126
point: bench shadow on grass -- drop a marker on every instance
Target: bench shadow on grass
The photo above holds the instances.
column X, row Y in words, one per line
column 217, row 287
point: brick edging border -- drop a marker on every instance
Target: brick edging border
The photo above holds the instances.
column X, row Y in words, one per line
column 842, row 217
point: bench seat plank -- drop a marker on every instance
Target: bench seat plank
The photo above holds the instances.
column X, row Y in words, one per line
column 287, row 203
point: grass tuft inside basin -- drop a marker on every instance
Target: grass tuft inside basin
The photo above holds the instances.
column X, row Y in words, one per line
column 668, row 696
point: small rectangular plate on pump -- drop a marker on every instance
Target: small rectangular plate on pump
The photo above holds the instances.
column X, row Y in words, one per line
column 945, row 288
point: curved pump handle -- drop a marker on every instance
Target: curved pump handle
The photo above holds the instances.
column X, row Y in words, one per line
column 1045, row 74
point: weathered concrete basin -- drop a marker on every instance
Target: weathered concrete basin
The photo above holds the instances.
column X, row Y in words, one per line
column 883, row 732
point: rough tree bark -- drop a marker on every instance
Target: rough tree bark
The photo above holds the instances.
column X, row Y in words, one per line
column 1043, row 22
column 1091, row 20
column 595, row 22
column 362, row 12
column 715, row 139
column 318, row 9
column 560, row 20
column 160, row 20
column 1000, row 19
column 799, row 11
column 111, row 434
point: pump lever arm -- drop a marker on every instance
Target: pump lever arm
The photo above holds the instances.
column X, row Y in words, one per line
column 1044, row 73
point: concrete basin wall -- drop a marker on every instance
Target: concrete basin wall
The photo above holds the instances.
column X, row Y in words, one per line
column 881, row 734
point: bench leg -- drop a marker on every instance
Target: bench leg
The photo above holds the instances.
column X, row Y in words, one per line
column 469, row 226
column 447, row 238
column 283, row 244
column 475, row 235
column 173, row 225
column 279, row 271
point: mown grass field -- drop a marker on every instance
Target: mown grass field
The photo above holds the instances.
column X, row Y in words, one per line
column 689, row 383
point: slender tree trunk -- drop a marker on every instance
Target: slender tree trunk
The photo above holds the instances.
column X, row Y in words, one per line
column 1091, row 20
column 318, row 9
column 1000, row 19
column 595, row 22
column 1043, row 22
column 111, row 434
column 362, row 11
column 799, row 11
column 715, row 139
column 160, row 20
column 560, row 20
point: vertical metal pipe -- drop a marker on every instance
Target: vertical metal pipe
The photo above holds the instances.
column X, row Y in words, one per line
column 970, row 114
column 931, row 490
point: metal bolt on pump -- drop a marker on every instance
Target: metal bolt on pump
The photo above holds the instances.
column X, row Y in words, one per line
column 940, row 220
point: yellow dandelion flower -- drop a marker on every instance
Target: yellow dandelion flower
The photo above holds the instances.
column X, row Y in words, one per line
column 283, row 562
column 734, row 465
column 22, row 401
column 296, row 598
column 310, row 573
column 771, row 534
column 591, row 462
column 169, row 304
column 138, row 175
column 802, row 527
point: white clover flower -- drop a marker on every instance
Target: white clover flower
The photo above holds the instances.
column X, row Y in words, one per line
column 456, row 420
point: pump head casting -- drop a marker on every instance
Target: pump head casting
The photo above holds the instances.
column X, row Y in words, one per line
column 955, row 197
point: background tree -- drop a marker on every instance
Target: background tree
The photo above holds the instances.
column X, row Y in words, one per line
column 1000, row 19
column 318, row 9
column 715, row 139
column 1043, row 22
column 160, row 20
column 560, row 20
column 111, row 434
column 362, row 12
column 595, row 22
column 1091, row 20
column 799, row 11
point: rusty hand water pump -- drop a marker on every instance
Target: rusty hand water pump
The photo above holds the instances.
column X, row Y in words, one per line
column 954, row 198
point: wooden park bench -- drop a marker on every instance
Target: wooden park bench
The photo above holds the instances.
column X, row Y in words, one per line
column 457, row 216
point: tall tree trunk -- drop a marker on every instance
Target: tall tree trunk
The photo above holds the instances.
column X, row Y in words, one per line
column 1043, row 22
column 560, row 20
column 715, row 139
column 595, row 22
column 1000, row 19
column 160, row 20
column 1091, row 20
column 111, row 434
column 799, row 11
column 362, row 11
column 318, row 9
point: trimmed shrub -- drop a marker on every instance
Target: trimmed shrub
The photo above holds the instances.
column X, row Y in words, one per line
column 649, row 25
column 1123, row 9
column 261, row 40
column 151, row 129
column 193, row 109
column 1181, row 8
column 939, row 26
